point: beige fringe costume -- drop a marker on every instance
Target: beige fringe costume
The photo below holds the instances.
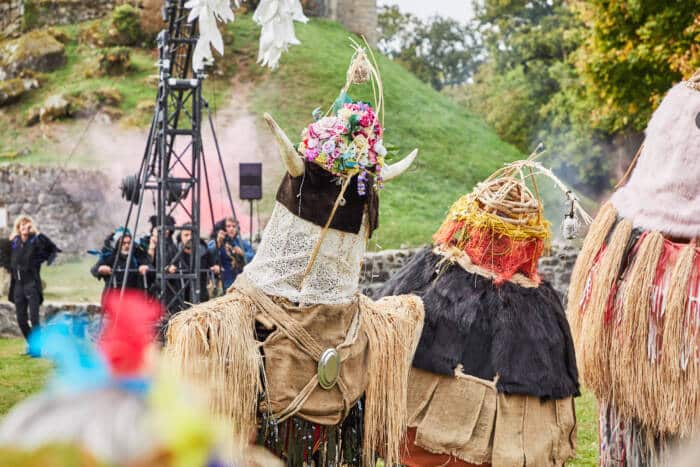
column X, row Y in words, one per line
column 215, row 345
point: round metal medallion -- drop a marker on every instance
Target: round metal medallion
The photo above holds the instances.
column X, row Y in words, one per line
column 328, row 368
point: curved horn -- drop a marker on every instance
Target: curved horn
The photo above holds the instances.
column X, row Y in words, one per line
column 396, row 169
column 290, row 156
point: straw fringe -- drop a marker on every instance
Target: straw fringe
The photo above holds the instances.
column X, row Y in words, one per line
column 675, row 318
column 213, row 347
column 593, row 343
column 681, row 383
column 597, row 234
column 393, row 339
column 633, row 374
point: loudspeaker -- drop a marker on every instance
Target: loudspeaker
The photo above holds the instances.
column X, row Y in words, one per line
column 250, row 180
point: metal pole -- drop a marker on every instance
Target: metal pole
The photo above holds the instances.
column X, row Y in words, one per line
column 251, row 222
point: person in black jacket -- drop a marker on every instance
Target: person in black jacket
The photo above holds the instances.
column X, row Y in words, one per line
column 28, row 250
column 208, row 265
column 111, row 269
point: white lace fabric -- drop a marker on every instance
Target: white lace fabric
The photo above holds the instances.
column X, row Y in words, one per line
column 285, row 250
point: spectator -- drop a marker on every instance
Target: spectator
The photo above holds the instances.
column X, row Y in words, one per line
column 28, row 250
column 208, row 265
column 233, row 252
column 150, row 242
column 118, row 244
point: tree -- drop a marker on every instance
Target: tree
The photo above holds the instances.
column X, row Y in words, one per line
column 440, row 51
column 635, row 52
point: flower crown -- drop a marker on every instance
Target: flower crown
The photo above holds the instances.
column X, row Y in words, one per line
column 347, row 142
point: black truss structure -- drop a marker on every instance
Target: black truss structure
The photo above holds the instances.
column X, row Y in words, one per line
column 173, row 174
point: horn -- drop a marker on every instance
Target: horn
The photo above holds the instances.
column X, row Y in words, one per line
column 394, row 170
column 290, row 156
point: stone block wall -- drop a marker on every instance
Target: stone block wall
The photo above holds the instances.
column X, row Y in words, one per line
column 68, row 205
column 11, row 17
column 8, row 322
column 17, row 16
column 359, row 16
column 555, row 268
column 51, row 12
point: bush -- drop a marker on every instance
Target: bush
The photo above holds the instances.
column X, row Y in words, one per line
column 125, row 28
column 115, row 61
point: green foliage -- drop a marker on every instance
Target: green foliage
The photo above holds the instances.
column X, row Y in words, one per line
column 440, row 51
column 582, row 76
column 114, row 61
column 126, row 28
column 30, row 15
column 635, row 52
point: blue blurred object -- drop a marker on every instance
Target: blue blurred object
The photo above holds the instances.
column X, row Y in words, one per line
column 78, row 364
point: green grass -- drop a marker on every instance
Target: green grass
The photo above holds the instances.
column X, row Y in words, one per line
column 72, row 282
column 587, row 426
column 20, row 376
column 74, row 78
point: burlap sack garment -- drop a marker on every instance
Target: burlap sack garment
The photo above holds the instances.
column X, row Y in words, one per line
column 467, row 418
column 292, row 352
column 214, row 346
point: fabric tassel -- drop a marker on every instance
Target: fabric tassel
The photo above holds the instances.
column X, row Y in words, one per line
column 597, row 234
column 630, row 365
column 593, row 345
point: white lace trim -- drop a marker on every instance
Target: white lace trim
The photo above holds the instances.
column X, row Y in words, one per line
column 285, row 250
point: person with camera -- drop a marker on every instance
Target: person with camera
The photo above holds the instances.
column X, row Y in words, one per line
column 233, row 251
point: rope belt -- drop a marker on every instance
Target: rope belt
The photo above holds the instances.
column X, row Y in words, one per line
column 305, row 342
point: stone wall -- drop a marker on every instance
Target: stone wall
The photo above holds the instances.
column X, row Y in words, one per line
column 51, row 12
column 67, row 204
column 555, row 268
column 8, row 322
column 359, row 16
column 10, row 17
column 17, row 16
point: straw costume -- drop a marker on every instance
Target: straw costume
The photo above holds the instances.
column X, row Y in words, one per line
column 633, row 301
column 293, row 352
column 494, row 375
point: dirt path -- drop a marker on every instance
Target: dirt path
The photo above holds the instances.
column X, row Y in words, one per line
column 242, row 137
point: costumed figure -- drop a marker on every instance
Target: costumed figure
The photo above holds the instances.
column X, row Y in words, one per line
column 494, row 375
column 113, row 262
column 26, row 251
column 108, row 403
column 233, row 251
column 634, row 302
column 294, row 352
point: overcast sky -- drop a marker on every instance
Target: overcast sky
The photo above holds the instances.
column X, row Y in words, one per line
column 460, row 10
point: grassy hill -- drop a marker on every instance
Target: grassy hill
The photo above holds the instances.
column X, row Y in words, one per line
column 456, row 148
